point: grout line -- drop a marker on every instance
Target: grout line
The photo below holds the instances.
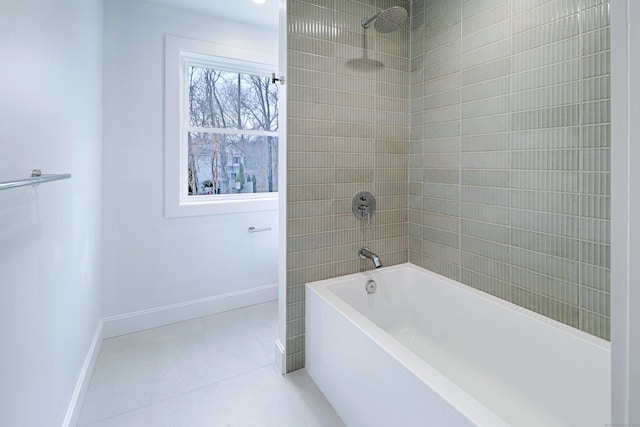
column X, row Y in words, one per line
column 580, row 160
column 459, row 185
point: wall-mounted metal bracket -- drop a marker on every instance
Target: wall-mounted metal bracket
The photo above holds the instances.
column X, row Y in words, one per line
column 275, row 79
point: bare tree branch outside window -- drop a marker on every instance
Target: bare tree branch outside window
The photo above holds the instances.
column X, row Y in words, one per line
column 233, row 121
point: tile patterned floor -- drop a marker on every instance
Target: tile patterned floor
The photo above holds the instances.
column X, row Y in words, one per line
column 212, row 371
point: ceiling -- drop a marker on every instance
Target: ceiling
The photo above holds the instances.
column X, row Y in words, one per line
column 244, row 11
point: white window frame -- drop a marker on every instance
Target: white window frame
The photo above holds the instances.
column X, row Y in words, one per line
column 179, row 54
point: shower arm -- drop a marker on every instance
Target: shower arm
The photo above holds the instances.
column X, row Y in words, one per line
column 365, row 22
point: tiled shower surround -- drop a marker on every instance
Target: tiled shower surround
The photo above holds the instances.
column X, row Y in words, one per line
column 509, row 169
column 493, row 116
column 348, row 130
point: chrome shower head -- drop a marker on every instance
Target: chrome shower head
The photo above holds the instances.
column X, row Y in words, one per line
column 387, row 20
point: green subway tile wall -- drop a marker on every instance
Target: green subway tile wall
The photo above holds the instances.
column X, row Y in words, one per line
column 509, row 175
column 348, row 130
column 483, row 129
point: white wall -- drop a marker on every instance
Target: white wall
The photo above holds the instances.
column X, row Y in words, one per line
column 282, row 159
column 625, row 212
column 50, row 118
column 151, row 261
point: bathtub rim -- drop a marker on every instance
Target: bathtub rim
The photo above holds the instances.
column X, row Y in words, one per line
column 519, row 310
column 453, row 394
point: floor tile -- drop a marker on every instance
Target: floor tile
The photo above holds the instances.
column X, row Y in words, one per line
column 198, row 408
column 135, row 418
column 177, row 330
column 181, row 365
column 315, row 402
column 214, row 371
column 126, row 342
column 261, row 398
column 267, row 399
column 120, row 382
column 236, row 352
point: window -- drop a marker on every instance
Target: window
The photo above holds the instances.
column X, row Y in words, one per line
column 221, row 137
column 231, row 131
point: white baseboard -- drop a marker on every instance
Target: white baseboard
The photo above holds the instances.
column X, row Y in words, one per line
column 166, row 315
column 75, row 406
column 279, row 356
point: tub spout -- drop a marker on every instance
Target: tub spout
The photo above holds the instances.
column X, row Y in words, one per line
column 367, row 254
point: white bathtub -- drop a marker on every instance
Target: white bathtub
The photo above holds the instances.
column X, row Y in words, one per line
column 424, row 351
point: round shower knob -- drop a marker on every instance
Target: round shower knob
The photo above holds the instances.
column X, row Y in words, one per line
column 363, row 205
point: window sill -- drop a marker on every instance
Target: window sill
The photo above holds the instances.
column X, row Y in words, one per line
column 221, row 207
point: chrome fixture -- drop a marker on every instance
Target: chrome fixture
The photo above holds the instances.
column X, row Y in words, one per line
column 275, row 79
column 371, row 286
column 257, row 230
column 363, row 205
column 387, row 20
column 367, row 254
column 36, row 178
